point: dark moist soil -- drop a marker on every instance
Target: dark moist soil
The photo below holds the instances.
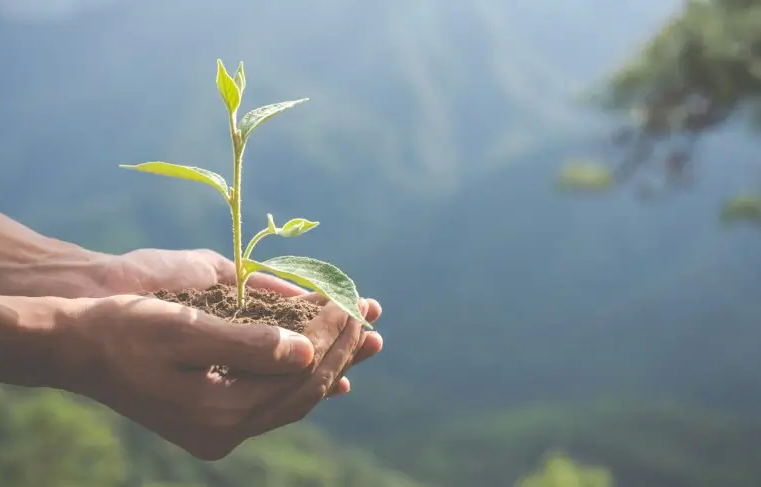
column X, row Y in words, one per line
column 263, row 308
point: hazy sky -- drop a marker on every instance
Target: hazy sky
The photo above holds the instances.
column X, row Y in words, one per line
column 48, row 10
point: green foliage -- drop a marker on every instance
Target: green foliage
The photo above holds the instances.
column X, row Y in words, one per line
column 49, row 440
column 169, row 484
column 258, row 116
column 640, row 444
column 229, row 90
column 696, row 71
column 319, row 276
column 561, row 471
column 701, row 69
column 184, row 172
column 288, row 456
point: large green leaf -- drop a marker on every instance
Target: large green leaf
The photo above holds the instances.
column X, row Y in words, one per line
column 183, row 172
column 229, row 90
column 258, row 116
column 319, row 276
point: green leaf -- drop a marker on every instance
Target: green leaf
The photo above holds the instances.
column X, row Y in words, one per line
column 295, row 227
column 258, row 116
column 240, row 78
column 184, row 172
column 227, row 88
column 319, row 276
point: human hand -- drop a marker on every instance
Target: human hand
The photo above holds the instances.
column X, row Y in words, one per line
column 148, row 270
column 148, row 360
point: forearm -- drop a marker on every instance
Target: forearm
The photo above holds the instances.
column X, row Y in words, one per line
column 21, row 245
column 30, row 353
column 34, row 265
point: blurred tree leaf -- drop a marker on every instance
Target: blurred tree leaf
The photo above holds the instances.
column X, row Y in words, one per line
column 585, row 175
column 742, row 208
column 701, row 68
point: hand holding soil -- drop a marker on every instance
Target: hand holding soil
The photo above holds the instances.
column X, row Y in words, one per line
column 205, row 381
column 204, row 351
column 150, row 360
column 205, row 280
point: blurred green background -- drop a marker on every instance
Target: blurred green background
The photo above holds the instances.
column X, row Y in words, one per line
column 537, row 334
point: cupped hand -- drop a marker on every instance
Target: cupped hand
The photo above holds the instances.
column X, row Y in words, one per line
column 148, row 270
column 149, row 360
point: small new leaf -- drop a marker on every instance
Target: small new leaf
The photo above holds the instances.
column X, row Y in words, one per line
column 229, row 90
column 184, row 172
column 319, row 276
column 258, row 116
column 295, row 227
column 240, row 78
column 271, row 223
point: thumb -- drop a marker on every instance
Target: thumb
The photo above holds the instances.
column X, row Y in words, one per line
column 249, row 348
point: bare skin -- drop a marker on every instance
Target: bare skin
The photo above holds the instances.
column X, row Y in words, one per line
column 68, row 322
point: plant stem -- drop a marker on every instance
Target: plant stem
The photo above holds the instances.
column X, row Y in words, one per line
column 254, row 241
column 235, row 204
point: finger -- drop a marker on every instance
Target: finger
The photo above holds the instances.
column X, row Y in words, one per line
column 372, row 314
column 224, row 267
column 342, row 386
column 325, row 329
column 314, row 298
column 296, row 404
column 373, row 345
column 255, row 349
column 374, row 310
column 331, row 367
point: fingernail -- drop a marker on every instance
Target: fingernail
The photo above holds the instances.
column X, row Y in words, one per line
column 286, row 334
column 300, row 346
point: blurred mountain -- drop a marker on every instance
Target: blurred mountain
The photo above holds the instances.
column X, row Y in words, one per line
column 425, row 98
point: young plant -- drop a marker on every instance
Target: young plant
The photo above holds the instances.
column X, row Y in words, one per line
column 319, row 276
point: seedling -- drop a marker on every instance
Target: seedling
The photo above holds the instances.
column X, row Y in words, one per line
column 311, row 273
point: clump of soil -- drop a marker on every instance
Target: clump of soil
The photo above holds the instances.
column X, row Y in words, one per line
column 263, row 308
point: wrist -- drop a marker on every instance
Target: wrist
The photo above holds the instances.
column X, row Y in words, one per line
column 21, row 245
column 33, row 348
column 64, row 279
column 34, row 265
